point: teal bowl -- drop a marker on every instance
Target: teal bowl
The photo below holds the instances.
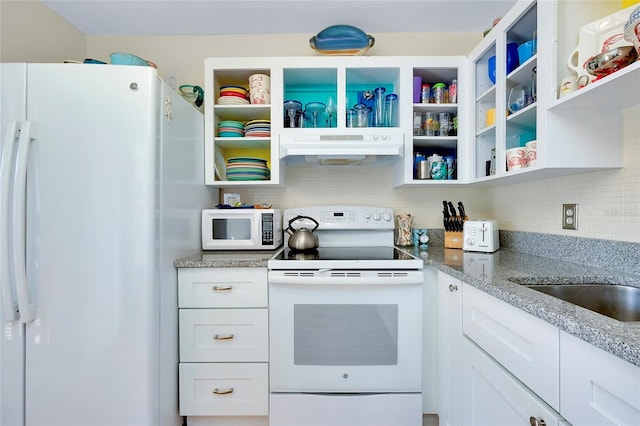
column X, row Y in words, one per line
column 119, row 58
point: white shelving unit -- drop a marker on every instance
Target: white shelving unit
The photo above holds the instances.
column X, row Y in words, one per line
column 580, row 132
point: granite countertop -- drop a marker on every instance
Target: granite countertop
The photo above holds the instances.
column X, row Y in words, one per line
column 226, row 259
column 495, row 274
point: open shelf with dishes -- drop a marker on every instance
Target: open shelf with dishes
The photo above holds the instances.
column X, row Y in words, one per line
column 239, row 148
column 435, row 124
column 505, row 93
column 581, row 131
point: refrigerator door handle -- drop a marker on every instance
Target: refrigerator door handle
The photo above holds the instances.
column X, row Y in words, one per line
column 18, row 224
column 9, row 307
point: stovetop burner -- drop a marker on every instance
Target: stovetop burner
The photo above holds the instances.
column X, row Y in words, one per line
column 344, row 253
column 375, row 257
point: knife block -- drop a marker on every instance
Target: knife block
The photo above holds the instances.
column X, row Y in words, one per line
column 453, row 239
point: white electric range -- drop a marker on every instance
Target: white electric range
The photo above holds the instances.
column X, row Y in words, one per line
column 345, row 324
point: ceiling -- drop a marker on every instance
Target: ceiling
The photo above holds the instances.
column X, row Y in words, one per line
column 211, row 17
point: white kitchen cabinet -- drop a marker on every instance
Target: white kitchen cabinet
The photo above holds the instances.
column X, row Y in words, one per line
column 450, row 348
column 346, row 80
column 580, row 132
column 597, row 388
column 223, row 324
column 526, row 346
column 236, row 72
column 492, row 396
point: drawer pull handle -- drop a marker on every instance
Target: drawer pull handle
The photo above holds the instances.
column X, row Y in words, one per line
column 453, row 288
column 223, row 336
column 220, row 288
column 223, row 391
column 537, row 422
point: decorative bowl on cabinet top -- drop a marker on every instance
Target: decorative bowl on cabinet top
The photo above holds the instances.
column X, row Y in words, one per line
column 341, row 40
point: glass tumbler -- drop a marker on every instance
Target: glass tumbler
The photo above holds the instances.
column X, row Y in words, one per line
column 391, row 110
column 362, row 115
column 352, row 118
column 430, row 124
column 379, row 98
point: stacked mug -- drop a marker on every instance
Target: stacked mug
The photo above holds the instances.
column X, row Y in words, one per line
column 260, row 89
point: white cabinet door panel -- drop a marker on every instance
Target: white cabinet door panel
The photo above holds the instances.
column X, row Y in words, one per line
column 214, row 335
column 222, row 287
column 494, row 397
column 525, row 345
column 224, row 389
column 450, row 349
column 597, row 388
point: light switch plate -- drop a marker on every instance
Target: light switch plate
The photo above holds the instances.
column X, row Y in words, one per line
column 569, row 216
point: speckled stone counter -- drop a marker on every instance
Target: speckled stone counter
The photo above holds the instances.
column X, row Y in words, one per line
column 226, row 259
column 501, row 275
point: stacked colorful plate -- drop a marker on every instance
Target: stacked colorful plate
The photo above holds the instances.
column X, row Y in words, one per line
column 257, row 128
column 233, row 95
column 247, row 168
column 231, row 129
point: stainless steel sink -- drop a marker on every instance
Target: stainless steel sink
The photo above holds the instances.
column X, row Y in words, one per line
column 616, row 301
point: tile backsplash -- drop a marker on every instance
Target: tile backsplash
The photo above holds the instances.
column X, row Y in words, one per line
column 608, row 201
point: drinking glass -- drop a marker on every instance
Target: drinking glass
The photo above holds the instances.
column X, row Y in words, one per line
column 517, row 98
column 331, row 109
column 292, row 107
column 315, row 108
column 362, row 115
column 391, row 110
column 379, row 106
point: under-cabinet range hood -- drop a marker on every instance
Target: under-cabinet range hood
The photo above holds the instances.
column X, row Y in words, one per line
column 372, row 146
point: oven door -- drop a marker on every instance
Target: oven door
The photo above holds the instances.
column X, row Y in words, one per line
column 345, row 331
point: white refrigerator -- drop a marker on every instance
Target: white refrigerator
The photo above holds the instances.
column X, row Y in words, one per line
column 101, row 185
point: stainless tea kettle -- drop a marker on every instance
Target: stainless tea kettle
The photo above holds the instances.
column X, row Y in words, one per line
column 302, row 238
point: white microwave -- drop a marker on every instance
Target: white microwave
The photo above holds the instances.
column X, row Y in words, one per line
column 241, row 229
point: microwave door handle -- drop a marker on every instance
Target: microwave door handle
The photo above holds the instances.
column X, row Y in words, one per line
column 9, row 308
column 18, row 222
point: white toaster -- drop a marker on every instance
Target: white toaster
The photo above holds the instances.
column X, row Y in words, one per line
column 480, row 235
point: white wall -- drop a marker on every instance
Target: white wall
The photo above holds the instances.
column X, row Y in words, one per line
column 31, row 32
column 183, row 56
column 609, row 201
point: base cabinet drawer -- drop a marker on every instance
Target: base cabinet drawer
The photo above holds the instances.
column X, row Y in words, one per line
column 492, row 396
column 222, row 287
column 209, row 389
column 526, row 346
column 232, row 335
column 597, row 388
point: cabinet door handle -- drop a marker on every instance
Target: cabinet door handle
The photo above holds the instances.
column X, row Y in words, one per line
column 221, row 288
column 535, row 422
column 222, row 391
column 453, row 288
column 223, row 336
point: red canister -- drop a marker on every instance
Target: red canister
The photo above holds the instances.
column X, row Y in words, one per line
column 425, row 93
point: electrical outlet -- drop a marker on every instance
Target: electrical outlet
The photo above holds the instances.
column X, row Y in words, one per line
column 569, row 216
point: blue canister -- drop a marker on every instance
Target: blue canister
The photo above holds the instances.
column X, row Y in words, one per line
column 450, row 160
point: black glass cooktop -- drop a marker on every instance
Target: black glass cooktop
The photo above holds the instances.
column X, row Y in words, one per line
column 344, row 253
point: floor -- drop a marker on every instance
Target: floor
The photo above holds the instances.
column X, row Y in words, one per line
column 430, row 420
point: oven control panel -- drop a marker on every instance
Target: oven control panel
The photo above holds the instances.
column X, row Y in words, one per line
column 344, row 217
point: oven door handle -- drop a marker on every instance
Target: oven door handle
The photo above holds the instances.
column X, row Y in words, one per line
column 346, row 277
